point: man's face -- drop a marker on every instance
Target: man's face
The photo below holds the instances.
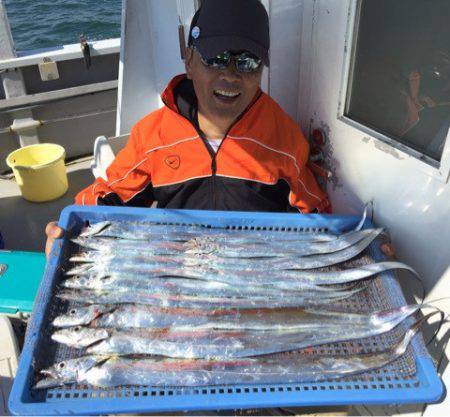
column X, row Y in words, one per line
column 222, row 94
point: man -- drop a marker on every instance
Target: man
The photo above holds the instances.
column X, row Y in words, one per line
column 428, row 99
column 219, row 143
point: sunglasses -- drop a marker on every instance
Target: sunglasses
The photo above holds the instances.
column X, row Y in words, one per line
column 244, row 61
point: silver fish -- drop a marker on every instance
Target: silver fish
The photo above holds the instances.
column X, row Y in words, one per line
column 104, row 246
column 204, row 301
column 84, row 315
column 79, row 337
column 132, row 264
column 344, row 276
column 297, row 280
column 208, row 340
column 287, row 280
column 124, row 316
column 187, row 286
column 136, row 316
column 106, row 372
column 204, row 246
column 69, row 371
column 196, row 245
column 274, row 248
column 324, row 260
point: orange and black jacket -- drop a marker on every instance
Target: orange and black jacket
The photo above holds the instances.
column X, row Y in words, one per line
column 260, row 165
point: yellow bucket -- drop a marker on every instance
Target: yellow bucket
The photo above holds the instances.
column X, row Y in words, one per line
column 40, row 171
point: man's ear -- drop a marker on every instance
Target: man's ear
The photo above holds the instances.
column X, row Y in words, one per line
column 188, row 61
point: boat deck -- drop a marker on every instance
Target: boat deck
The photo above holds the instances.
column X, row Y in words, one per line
column 22, row 223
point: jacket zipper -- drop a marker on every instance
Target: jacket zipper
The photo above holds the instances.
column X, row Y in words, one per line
column 213, row 178
column 214, row 162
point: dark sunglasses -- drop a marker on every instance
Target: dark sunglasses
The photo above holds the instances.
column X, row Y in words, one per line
column 244, row 61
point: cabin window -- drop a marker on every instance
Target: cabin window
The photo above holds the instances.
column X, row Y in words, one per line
column 400, row 73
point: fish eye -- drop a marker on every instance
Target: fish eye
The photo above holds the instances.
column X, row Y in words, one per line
column 61, row 365
column 72, row 312
column 77, row 329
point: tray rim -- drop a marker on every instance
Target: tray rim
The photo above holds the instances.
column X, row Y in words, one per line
column 425, row 367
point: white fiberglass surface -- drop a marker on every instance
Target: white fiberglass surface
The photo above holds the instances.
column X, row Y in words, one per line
column 410, row 197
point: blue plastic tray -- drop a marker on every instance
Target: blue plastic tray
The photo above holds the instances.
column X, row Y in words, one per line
column 411, row 379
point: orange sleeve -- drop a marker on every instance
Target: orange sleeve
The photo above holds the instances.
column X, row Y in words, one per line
column 128, row 179
column 306, row 194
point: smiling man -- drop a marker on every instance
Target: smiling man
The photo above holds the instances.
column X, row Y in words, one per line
column 219, row 142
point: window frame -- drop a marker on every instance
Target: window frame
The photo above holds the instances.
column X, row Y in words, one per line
column 439, row 170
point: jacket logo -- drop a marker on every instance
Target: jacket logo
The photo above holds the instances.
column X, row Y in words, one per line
column 173, row 161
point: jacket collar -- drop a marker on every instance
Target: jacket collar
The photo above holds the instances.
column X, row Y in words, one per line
column 180, row 97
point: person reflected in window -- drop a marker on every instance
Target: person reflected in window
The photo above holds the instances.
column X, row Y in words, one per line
column 428, row 101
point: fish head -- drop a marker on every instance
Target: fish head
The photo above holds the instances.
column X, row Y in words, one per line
column 79, row 337
column 68, row 371
column 88, row 243
column 81, row 315
column 88, row 282
column 77, row 282
column 80, row 270
column 94, row 229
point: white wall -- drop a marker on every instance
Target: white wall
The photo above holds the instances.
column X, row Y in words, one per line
column 285, row 30
column 150, row 57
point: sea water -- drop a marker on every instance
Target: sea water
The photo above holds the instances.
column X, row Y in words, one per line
column 47, row 23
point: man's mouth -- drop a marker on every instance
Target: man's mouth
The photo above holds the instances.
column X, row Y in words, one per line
column 225, row 95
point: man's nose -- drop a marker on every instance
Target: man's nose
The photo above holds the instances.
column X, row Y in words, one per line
column 230, row 73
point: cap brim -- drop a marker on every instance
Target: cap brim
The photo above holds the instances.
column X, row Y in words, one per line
column 212, row 46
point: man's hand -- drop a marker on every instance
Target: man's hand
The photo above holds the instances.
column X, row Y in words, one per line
column 388, row 250
column 53, row 232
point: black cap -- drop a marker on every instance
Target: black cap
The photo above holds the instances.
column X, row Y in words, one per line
column 231, row 25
